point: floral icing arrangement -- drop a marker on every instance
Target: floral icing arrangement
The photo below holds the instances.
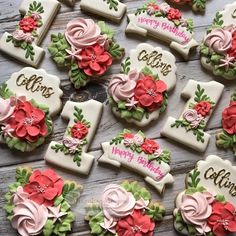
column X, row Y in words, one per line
column 135, row 95
column 166, row 11
column 227, row 137
column 75, row 137
column 193, row 118
column 197, row 5
column 201, row 212
column 87, row 49
column 24, row 125
column 39, row 203
column 218, row 49
column 26, row 31
column 125, row 209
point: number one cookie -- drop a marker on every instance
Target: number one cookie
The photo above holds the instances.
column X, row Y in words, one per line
column 23, row 43
column 189, row 128
column 71, row 152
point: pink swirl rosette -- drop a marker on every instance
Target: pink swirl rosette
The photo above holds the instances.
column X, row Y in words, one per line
column 193, row 117
column 81, row 33
column 19, row 196
column 196, row 209
column 29, row 218
column 6, row 109
column 219, row 40
column 121, row 87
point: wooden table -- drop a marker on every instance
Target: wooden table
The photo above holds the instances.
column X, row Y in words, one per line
column 183, row 159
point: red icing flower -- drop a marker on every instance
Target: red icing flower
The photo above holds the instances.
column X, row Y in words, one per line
column 28, row 24
column 223, row 219
column 28, row 122
column 128, row 136
column 136, row 224
column 149, row 146
column 44, row 187
column 148, row 92
column 229, row 118
column 174, row 14
column 232, row 50
column 79, row 130
column 153, row 6
column 203, row 108
column 94, row 60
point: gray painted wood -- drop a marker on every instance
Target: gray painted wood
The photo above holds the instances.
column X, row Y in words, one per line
column 183, row 159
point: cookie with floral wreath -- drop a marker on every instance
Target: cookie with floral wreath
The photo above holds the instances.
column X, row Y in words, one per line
column 40, row 202
column 139, row 93
column 226, row 139
column 124, row 209
column 28, row 101
column 197, row 5
column 86, row 48
column 140, row 154
column 218, row 50
column 164, row 23
column 207, row 206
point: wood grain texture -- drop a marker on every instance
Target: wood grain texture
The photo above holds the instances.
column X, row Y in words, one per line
column 183, row 159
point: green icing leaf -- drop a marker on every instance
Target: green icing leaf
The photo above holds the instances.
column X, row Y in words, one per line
column 116, row 51
column 113, row 4
column 71, row 191
column 36, row 7
column 109, row 32
column 23, row 174
column 125, row 66
column 220, row 198
column 193, row 179
column 5, row 93
column 48, row 228
column 218, row 20
column 156, row 211
column 120, row 137
column 164, row 103
column 199, row 4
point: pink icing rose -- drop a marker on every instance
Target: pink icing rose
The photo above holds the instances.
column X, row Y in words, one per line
column 196, row 209
column 193, row 117
column 19, row 196
column 219, row 40
column 29, row 218
column 18, row 35
column 164, row 7
column 36, row 16
column 29, row 38
column 6, row 109
column 121, row 87
column 81, row 33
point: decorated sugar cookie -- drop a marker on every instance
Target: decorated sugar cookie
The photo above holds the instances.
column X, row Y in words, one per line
column 207, row 206
column 87, row 49
column 189, row 128
column 165, row 23
column 140, row 154
column 197, row 5
column 22, row 44
column 111, row 9
column 227, row 137
column 218, row 50
column 126, row 209
column 139, row 93
column 28, row 101
column 40, row 202
column 70, row 153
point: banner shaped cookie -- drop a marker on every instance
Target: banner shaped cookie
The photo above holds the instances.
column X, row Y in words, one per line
column 227, row 137
column 218, row 50
column 189, row 128
column 140, row 154
column 71, row 153
column 165, row 23
column 139, row 93
column 197, row 5
column 111, row 9
column 23, row 43
column 28, row 100
column 39, row 202
column 125, row 209
column 208, row 205
column 87, row 49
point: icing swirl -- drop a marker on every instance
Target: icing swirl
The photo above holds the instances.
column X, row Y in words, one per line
column 117, row 202
column 81, row 33
column 6, row 109
column 19, row 196
column 196, row 209
column 193, row 117
column 121, row 87
column 219, row 40
column 29, row 218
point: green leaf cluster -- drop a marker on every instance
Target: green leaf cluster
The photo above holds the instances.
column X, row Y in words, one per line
column 218, row 21
column 23, row 174
column 36, row 7
column 113, row 4
column 109, row 32
column 193, row 179
column 116, row 51
column 120, row 137
column 156, row 211
column 78, row 114
column 200, row 95
column 71, row 192
column 125, row 66
column 5, row 93
column 199, row 4
column 164, row 157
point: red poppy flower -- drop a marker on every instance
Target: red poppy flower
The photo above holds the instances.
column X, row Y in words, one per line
column 128, row 136
column 136, row 224
column 28, row 122
column 223, row 219
column 28, row 24
column 149, row 146
column 229, row 118
column 174, row 14
column 232, row 50
column 79, row 130
column 44, row 187
column 203, row 108
column 148, row 92
column 94, row 60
